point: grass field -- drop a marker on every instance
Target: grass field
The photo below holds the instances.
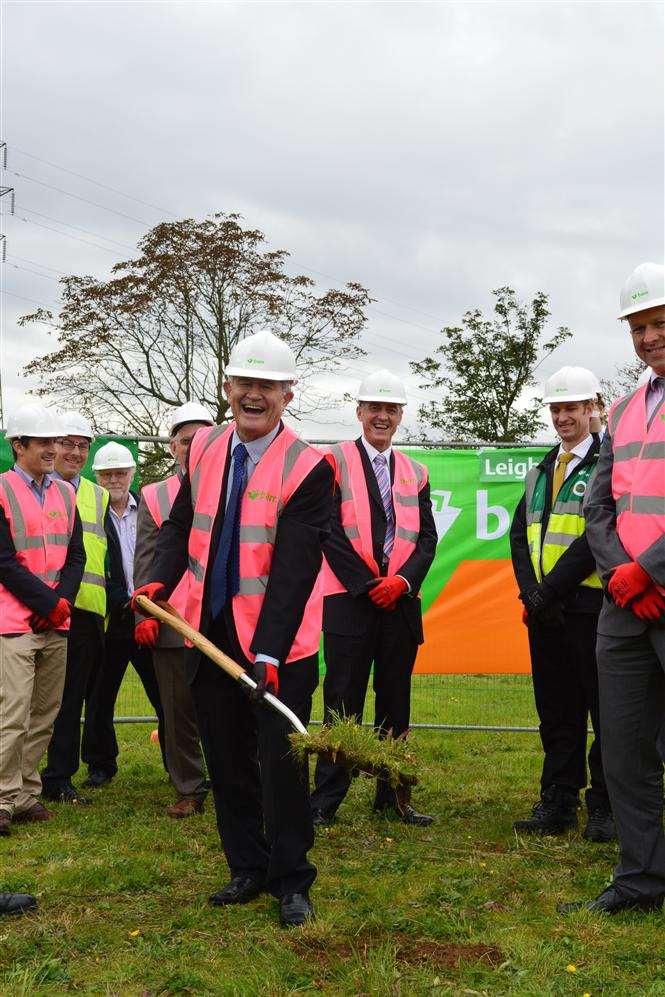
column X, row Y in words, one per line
column 463, row 907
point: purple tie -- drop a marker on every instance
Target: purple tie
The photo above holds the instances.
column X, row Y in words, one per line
column 383, row 481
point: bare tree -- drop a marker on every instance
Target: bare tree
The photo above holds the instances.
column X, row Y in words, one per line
column 626, row 378
column 160, row 331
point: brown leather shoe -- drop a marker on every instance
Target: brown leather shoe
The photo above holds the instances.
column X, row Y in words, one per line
column 36, row 812
column 184, row 808
column 5, row 822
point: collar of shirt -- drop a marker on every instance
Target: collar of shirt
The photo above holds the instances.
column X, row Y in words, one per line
column 372, row 452
column 256, row 448
column 74, row 482
column 131, row 506
column 30, row 481
column 652, row 382
column 579, row 451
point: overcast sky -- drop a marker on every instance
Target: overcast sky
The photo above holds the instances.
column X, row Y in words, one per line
column 430, row 151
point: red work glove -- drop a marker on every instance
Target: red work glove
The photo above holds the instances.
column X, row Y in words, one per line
column 266, row 677
column 628, row 581
column 525, row 617
column 387, row 591
column 59, row 614
column 650, row 606
column 39, row 624
column 153, row 590
column 146, row 632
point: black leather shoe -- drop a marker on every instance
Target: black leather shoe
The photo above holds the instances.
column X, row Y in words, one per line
column 613, row 902
column 600, row 826
column 240, row 890
column 66, row 794
column 16, row 903
column 555, row 813
column 410, row 816
column 295, row 909
column 96, row 778
column 322, row 819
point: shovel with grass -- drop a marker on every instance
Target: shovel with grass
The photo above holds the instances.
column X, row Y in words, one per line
column 343, row 741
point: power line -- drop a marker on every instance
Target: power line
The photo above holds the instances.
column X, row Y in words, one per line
column 46, row 276
column 42, row 265
column 77, row 197
column 31, row 300
column 77, row 238
column 77, row 228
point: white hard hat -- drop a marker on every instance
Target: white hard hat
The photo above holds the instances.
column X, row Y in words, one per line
column 262, row 356
column 113, row 457
column 645, row 288
column 75, row 424
column 382, row 386
column 33, row 419
column 571, row 384
column 190, row 412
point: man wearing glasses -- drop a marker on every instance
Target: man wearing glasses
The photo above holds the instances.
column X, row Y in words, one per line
column 85, row 648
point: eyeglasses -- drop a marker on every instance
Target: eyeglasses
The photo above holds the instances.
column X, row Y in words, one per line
column 70, row 447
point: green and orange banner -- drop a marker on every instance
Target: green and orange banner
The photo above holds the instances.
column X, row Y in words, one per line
column 472, row 615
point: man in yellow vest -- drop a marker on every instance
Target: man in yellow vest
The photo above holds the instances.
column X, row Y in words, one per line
column 85, row 648
column 625, row 513
column 562, row 596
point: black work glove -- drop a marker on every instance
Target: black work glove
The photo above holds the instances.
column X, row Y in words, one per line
column 266, row 677
column 537, row 599
column 551, row 617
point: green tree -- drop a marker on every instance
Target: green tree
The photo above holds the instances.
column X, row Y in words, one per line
column 160, row 331
column 483, row 369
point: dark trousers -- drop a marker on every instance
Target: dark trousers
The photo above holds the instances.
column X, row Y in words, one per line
column 632, row 707
column 565, row 685
column 100, row 746
column 261, row 794
column 85, row 654
column 390, row 645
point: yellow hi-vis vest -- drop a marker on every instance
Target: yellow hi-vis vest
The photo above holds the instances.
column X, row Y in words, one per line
column 566, row 522
column 92, row 503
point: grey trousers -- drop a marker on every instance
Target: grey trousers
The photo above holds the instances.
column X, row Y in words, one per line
column 631, row 676
column 182, row 749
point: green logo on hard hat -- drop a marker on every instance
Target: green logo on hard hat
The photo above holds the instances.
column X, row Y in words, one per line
column 254, row 360
column 639, row 294
column 384, row 391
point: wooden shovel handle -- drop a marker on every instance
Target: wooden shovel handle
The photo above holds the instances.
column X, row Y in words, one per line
column 165, row 613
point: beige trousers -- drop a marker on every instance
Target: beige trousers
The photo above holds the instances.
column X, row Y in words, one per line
column 32, row 676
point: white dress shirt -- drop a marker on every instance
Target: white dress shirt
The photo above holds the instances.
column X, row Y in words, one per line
column 579, row 452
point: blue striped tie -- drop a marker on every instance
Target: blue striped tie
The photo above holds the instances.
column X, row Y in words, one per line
column 383, row 481
column 225, row 574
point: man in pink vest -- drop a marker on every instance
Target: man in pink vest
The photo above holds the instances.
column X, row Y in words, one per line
column 625, row 527
column 41, row 566
column 381, row 547
column 183, row 753
column 247, row 524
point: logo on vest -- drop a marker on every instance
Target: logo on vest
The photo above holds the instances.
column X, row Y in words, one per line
column 53, row 514
column 579, row 488
column 255, row 494
column 408, row 481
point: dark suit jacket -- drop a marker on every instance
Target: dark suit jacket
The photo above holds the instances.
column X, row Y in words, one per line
column 352, row 612
column 572, row 567
column 600, row 515
column 302, row 526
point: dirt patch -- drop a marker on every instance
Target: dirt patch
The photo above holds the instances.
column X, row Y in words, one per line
column 442, row 955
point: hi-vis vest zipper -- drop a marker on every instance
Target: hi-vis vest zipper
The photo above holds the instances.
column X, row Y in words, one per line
column 566, row 522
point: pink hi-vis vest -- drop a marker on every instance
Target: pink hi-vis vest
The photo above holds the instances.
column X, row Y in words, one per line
column 283, row 467
column 638, row 472
column 159, row 497
column 41, row 535
column 409, row 479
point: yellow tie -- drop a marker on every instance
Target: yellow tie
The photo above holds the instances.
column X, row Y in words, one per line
column 560, row 473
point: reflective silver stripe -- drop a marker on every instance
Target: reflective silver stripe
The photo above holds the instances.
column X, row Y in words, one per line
column 654, row 451
column 90, row 578
column 560, row 539
column 291, row 456
column 258, row 534
column 648, row 505
column 196, row 568
column 352, row 532
column 253, row 586
column 619, row 410
column 202, row 521
column 194, row 477
column 566, row 509
column 57, row 539
column 52, row 576
column 95, row 529
column 22, row 542
column 18, row 522
column 627, row 451
column 66, row 493
column 410, row 535
column 406, row 499
column 344, row 483
column 532, row 517
column 623, row 503
column 163, row 501
column 419, row 471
